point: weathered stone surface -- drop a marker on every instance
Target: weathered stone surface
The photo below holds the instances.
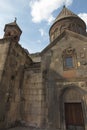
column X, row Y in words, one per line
column 35, row 88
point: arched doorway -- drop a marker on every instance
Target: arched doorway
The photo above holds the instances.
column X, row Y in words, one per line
column 72, row 109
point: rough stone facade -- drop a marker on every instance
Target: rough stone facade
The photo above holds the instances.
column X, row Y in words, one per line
column 46, row 89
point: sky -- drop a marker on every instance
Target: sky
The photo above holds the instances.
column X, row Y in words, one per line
column 35, row 18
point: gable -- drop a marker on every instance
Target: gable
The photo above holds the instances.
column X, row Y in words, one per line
column 53, row 60
column 66, row 38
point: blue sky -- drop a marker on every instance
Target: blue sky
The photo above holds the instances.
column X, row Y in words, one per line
column 35, row 17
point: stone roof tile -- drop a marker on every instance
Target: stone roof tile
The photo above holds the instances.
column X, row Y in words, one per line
column 64, row 14
column 13, row 24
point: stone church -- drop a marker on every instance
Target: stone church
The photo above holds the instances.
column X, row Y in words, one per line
column 46, row 89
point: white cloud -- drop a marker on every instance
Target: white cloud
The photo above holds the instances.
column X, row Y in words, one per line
column 43, row 9
column 8, row 11
column 84, row 17
column 42, row 32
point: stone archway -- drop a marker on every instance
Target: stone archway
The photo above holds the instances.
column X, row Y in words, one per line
column 72, row 106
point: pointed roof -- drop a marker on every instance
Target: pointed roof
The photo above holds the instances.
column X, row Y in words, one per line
column 63, row 34
column 13, row 24
column 64, row 14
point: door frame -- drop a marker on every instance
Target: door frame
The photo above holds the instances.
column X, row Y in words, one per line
column 82, row 101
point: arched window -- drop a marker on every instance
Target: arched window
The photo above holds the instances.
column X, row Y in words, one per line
column 55, row 32
column 52, row 37
column 7, row 34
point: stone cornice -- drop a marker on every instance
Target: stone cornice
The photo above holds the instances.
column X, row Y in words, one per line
column 65, row 33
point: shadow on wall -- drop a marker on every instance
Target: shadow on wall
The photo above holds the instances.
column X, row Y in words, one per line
column 59, row 90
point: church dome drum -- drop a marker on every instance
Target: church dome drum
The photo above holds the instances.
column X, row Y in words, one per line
column 67, row 20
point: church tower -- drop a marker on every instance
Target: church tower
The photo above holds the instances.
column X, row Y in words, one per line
column 67, row 20
column 64, row 65
column 45, row 90
column 12, row 30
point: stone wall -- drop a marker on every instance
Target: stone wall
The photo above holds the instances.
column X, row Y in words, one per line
column 4, row 48
column 36, row 57
column 16, row 60
column 32, row 96
column 57, row 79
column 34, row 93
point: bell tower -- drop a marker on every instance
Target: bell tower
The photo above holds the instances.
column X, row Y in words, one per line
column 12, row 30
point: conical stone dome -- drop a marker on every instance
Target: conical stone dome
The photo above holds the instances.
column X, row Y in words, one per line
column 67, row 20
column 65, row 13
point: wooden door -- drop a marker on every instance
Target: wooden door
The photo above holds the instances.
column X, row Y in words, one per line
column 74, row 116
